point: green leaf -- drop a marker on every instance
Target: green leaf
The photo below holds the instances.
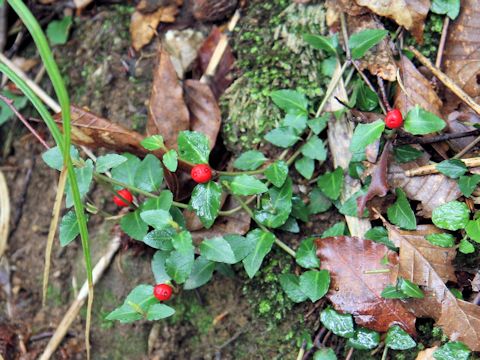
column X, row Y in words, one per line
column 468, row 184
column 182, row 241
column 364, row 339
column 328, row 44
column 453, row 215
column 410, row 289
column 366, row 99
column 126, row 172
column 306, row 254
column 19, row 102
column 401, row 213
column 453, row 168
column 170, row 160
column 179, row 265
column 336, row 230
column 58, row 30
column 448, row 7
column 473, row 230
column 247, row 185
column 241, row 246
column 159, row 311
column 349, row 207
column 277, row 173
column 305, row 166
column 193, row 147
column 263, row 244
column 53, row 157
column 202, row 272
column 149, row 175
column 158, row 267
column 392, row 292
column 160, row 239
column 276, row 210
column 466, row 247
column 153, row 142
column 218, row 249
column 133, row 225
column 379, row 234
column 299, row 209
column 84, row 177
column 339, row 324
column 161, row 202
column 315, row 284
column 282, row 136
column 68, row 228
column 158, row 219
column 398, row 339
column 406, row 153
column 290, row 101
column 453, row 350
column 250, row 160
column 331, row 183
column 317, row 125
column 109, row 161
column 443, row 240
column 362, row 41
column 291, row 225
column 295, row 121
column 325, row 354
column 319, row 203
column 205, row 201
column 135, row 305
column 457, row 293
column 366, row 134
column 422, row 122
column 291, row 285
column 314, row 148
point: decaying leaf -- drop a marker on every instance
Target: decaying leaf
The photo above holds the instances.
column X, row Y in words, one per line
column 183, row 46
column 427, row 354
column 378, row 60
column 222, row 78
column 460, row 122
column 205, row 115
column 167, row 112
column 410, row 14
column 462, row 53
column 143, row 26
column 358, row 293
column 213, row 10
column 460, row 320
column 430, row 190
column 346, row 6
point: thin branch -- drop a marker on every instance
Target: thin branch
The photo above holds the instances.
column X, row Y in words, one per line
column 432, row 168
column 406, row 139
column 441, row 45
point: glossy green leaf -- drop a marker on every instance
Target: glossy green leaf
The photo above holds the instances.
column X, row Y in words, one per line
column 443, row 240
column 473, row 230
column 179, row 265
column 315, row 149
column 453, row 350
column 406, row 153
column 275, row 211
column 398, row 339
column 453, row 168
column 305, row 166
column 182, row 241
column 362, row 41
column 158, row 219
column 328, row 44
column 205, row 201
column 299, row 209
column 263, row 245
column 135, row 305
column 401, row 213
column 277, row 173
column 218, row 249
column 247, row 185
column 149, row 175
column 241, row 246
column 349, row 207
column 153, row 142
column 410, row 289
column 291, row 225
column 159, row 311
column 393, row 292
column 68, row 228
column 84, row 177
column 422, row 122
column 379, row 234
column 451, row 8
column 250, row 160
column 366, row 134
column 319, row 203
column 468, row 184
column 126, row 171
column 366, row 99
column 289, row 100
column 325, row 354
column 466, row 247
column 202, row 272
column 170, row 160
column 109, row 161
column 453, row 215
column 161, row 202
column 317, row 125
column 58, row 30
column 160, row 239
column 364, row 339
column 296, row 121
column 19, row 102
column 193, row 147
column 291, row 285
column 306, row 254
column 339, row 324
column 331, row 183
column 315, row 284
column 133, row 225
column 158, row 267
column 282, row 136
column 338, row 229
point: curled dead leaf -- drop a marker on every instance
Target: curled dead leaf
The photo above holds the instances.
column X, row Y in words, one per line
column 213, row 10
column 353, row 290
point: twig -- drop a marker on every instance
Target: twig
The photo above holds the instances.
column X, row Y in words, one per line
column 467, row 148
column 316, row 342
column 75, row 307
column 301, row 352
column 434, row 139
column 383, row 93
column 350, row 353
column 441, row 45
column 385, row 351
column 449, row 83
column 4, row 213
column 432, row 168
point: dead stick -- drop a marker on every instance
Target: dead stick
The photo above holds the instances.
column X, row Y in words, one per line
column 432, row 168
column 4, row 213
column 443, row 38
column 449, row 83
column 72, row 312
column 434, row 139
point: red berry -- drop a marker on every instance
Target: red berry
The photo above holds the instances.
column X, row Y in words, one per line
column 162, row 292
column 125, row 194
column 394, row 119
column 201, row 173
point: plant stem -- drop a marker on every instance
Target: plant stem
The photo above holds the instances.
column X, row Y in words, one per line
column 376, row 271
column 234, row 173
column 385, row 351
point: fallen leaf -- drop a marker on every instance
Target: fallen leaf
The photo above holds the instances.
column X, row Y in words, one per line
column 205, row 115
column 378, row 60
column 410, row 14
column 143, row 26
column 355, row 292
column 213, row 10
column 346, row 6
column 183, row 46
column 167, row 112
column 459, row 320
column 222, row 78
column 462, row 53
column 460, row 122
column 149, row 6
column 427, row 354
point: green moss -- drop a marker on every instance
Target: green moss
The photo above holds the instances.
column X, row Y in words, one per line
column 188, row 309
column 431, row 36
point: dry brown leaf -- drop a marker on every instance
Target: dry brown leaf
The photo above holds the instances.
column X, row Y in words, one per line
column 459, row 320
column 427, row 354
column 205, row 115
column 355, row 292
column 379, row 60
column 213, row 10
column 167, row 112
column 460, row 122
column 431, row 190
column 462, row 53
column 439, row 258
column 410, row 14
column 417, row 90
column 346, row 6
column 144, row 26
